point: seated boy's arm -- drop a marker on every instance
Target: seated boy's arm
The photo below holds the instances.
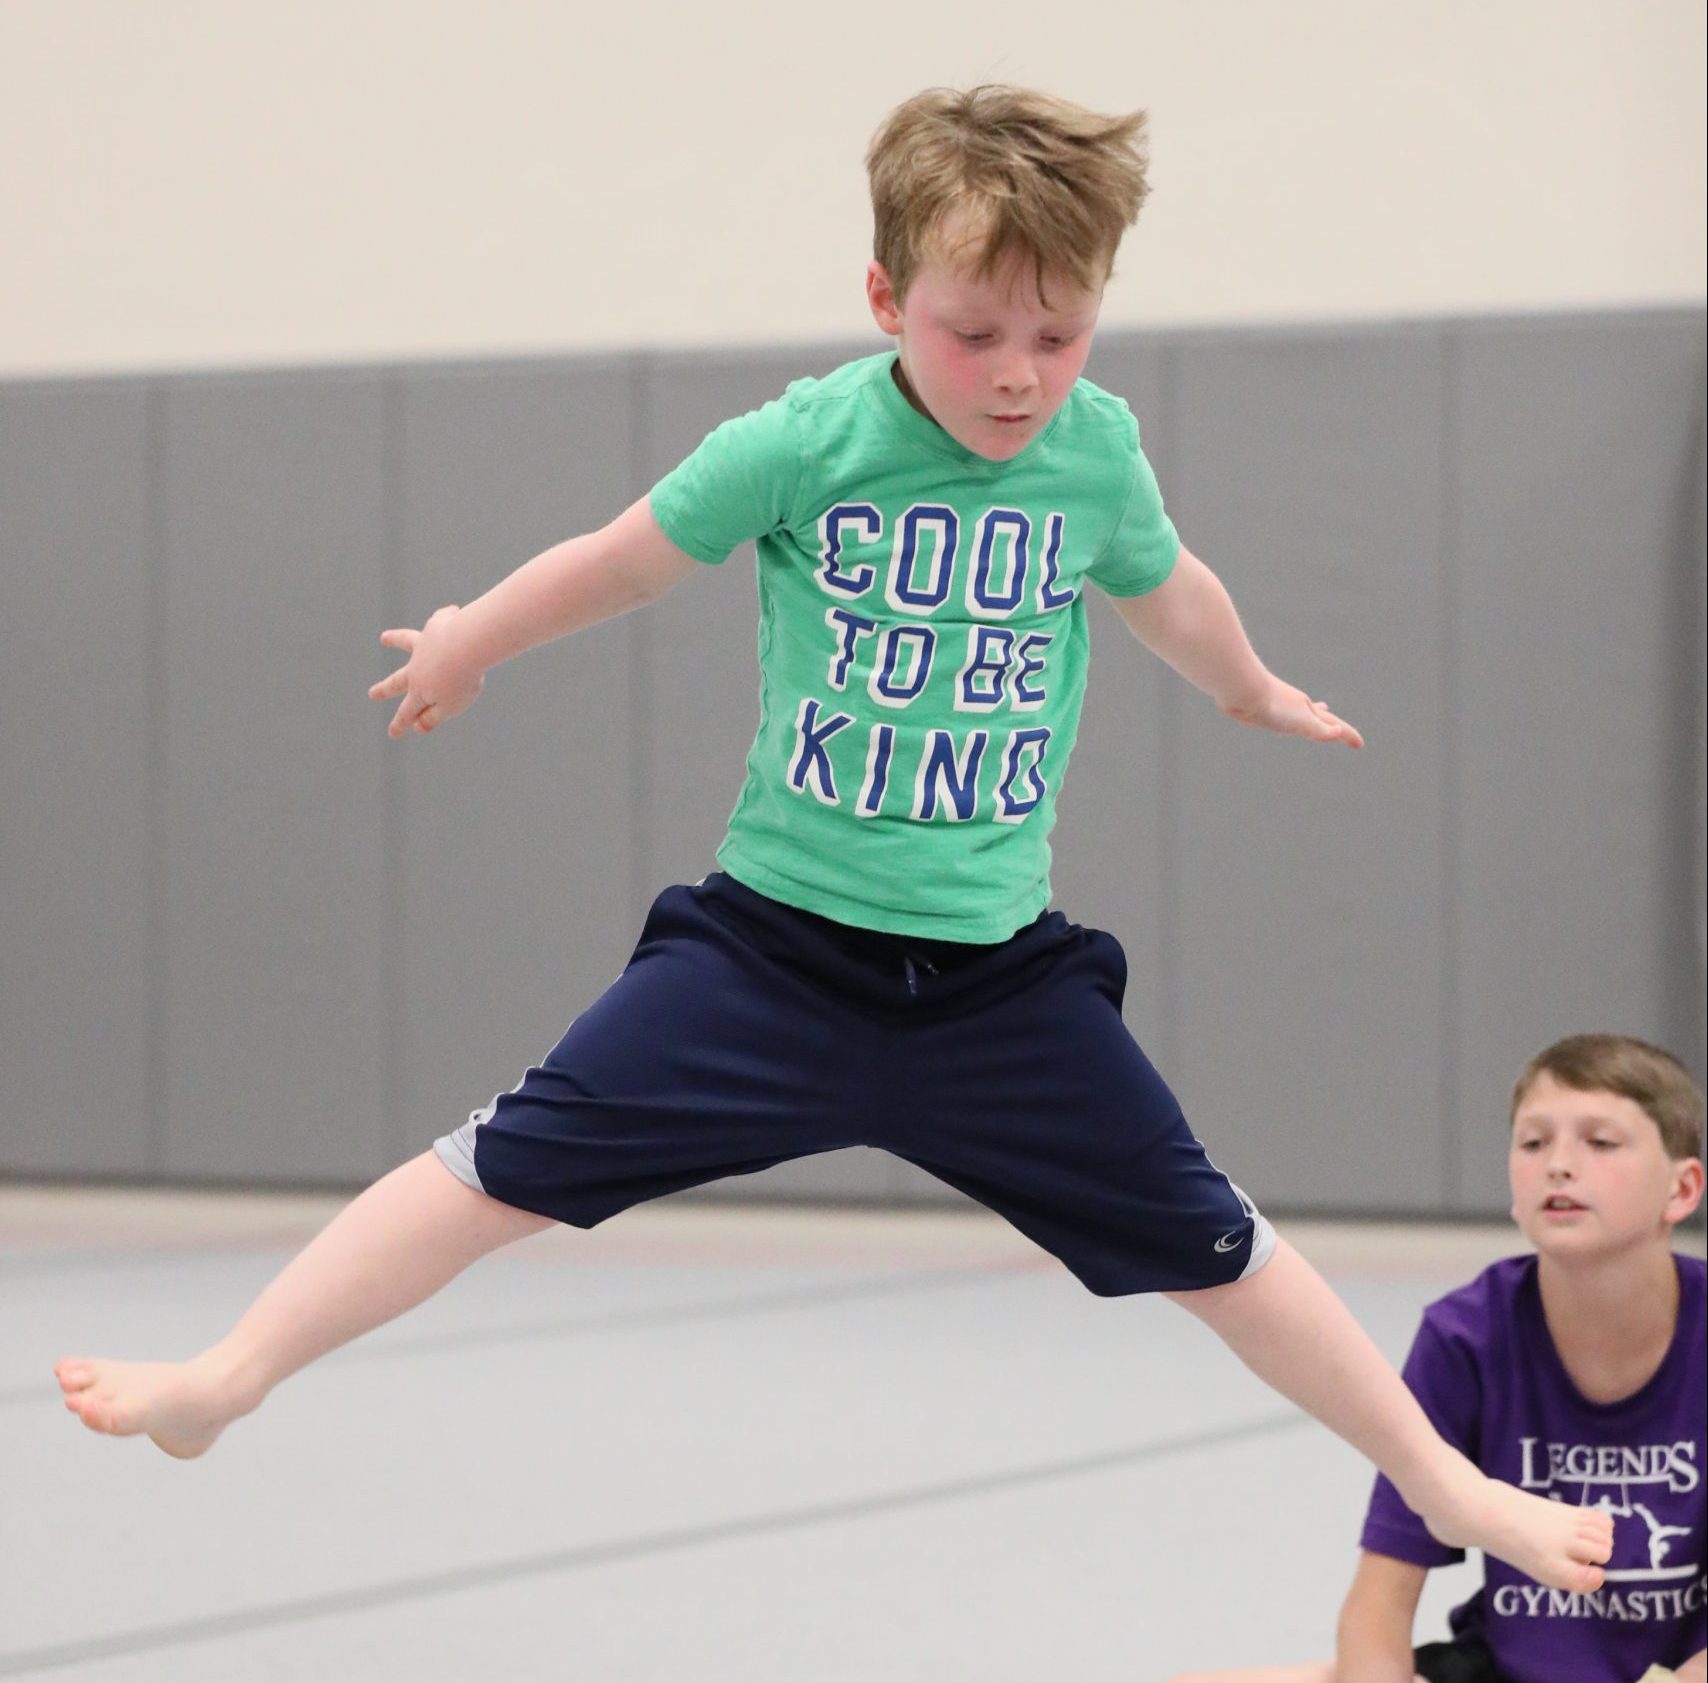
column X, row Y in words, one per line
column 1189, row 620
column 1374, row 1641
column 1695, row 1669
column 572, row 585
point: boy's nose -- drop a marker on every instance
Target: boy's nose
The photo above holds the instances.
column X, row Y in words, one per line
column 1016, row 377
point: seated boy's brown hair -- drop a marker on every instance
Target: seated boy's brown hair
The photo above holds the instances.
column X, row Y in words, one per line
column 1652, row 1079
column 1022, row 174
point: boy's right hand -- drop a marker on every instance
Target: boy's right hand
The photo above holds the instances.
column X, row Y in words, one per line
column 435, row 682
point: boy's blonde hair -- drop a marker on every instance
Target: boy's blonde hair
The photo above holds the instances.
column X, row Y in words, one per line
column 1029, row 175
column 1653, row 1080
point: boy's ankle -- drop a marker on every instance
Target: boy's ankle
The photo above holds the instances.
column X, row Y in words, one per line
column 235, row 1375
column 1450, row 1495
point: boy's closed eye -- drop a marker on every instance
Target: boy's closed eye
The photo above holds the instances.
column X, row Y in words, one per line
column 1050, row 341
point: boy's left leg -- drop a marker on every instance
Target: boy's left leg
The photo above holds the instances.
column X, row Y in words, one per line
column 1286, row 1324
column 1021, row 1085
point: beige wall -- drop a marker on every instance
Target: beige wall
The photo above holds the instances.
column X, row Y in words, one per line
column 191, row 183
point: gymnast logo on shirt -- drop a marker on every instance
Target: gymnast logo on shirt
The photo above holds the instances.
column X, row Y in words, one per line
column 1633, row 1482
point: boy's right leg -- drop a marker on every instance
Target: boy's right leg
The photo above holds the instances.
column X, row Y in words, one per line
column 409, row 1234
column 617, row 1113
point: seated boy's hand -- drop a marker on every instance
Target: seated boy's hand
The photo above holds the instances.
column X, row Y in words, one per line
column 435, row 682
column 1282, row 708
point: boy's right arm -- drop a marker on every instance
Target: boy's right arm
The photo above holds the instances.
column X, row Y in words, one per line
column 1374, row 1641
column 574, row 584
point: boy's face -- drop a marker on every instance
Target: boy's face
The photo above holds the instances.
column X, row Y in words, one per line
column 1590, row 1176
column 987, row 360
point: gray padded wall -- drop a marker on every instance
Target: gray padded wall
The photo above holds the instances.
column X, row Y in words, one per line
column 247, row 938
column 1693, row 940
column 514, row 829
column 1310, row 957
column 1575, row 461
column 80, row 906
column 274, row 967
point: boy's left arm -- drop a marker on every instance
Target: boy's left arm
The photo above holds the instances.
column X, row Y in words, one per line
column 1189, row 620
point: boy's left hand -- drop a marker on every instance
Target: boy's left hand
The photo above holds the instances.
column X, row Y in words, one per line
column 1290, row 711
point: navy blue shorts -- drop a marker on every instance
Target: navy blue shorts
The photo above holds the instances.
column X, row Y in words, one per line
column 745, row 1033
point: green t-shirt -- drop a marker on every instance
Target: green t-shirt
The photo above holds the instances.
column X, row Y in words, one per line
column 922, row 641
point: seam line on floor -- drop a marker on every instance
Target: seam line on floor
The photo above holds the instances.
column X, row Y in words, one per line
column 466, row 1577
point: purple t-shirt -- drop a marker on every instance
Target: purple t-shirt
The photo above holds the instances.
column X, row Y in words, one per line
column 1485, row 1369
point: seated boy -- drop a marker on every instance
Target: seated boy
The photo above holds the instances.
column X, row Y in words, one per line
column 1579, row 1372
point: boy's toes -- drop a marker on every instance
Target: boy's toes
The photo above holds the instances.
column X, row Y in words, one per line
column 1596, row 1545
column 1589, row 1579
column 74, row 1375
column 93, row 1411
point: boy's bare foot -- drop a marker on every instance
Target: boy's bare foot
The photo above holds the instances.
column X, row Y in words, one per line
column 1554, row 1543
column 183, row 1406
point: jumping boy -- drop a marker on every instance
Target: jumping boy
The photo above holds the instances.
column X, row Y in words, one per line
column 874, row 964
column 1580, row 1371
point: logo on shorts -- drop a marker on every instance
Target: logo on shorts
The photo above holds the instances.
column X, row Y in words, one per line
column 1231, row 1241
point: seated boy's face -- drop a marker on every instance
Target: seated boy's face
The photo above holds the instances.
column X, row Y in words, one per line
column 1589, row 1172
column 988, row 360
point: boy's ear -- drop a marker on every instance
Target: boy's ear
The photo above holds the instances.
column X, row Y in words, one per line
column 1686, row 1190
column 881, row 295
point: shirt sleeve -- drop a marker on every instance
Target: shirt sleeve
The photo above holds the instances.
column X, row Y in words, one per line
column 1144, row 546
column 1442, row 1374
column 738, row 484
